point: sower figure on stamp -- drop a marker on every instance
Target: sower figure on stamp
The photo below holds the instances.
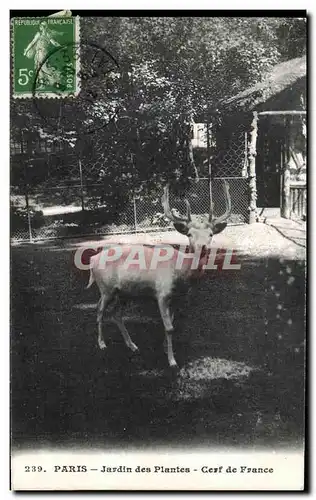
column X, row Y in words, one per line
column 39, row 49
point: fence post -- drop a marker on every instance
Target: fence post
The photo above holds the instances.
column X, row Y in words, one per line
column 244, row 171
column 208, row 152
column 81, row 186
column 29, row 222
column 135, row 213
column 209, row 165
column 26, row 194
column 252, row 169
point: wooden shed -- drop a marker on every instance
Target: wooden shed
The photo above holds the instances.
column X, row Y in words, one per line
column 275, row 110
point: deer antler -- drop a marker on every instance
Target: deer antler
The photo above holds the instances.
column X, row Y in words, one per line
column 170, row 212
column 227, row 212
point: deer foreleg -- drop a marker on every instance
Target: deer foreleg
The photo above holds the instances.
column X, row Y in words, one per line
column 163, row 303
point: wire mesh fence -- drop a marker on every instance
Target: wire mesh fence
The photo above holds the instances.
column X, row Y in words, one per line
column 55, row 194
column 75, row 210
column 229, row 158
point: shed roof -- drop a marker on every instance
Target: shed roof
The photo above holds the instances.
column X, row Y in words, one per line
column 282, row 77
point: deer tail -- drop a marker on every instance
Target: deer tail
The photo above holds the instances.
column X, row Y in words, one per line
column 91, row 279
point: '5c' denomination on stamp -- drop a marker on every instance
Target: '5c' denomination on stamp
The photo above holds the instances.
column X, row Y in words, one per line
column 46, row 57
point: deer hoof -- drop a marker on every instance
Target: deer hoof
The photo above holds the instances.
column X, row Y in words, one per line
column 102, row 344
column 133, row 347
column 173, row 371
column 173, row 366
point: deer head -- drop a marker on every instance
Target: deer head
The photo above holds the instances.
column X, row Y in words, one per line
column 199, row 233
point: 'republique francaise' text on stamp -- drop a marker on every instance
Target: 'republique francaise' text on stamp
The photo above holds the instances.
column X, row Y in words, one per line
column 46, row 57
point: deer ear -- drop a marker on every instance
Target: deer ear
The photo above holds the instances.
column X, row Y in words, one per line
column 181, row 227
column 218, row 228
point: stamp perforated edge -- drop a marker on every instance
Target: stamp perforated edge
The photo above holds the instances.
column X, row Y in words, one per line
column 43, row 95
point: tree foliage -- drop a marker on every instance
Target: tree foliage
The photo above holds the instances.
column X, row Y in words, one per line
column 171, row 70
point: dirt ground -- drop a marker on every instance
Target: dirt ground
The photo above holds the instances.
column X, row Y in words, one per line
column 239, row 341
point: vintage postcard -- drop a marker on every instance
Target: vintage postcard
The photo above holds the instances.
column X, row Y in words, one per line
column 158, row 251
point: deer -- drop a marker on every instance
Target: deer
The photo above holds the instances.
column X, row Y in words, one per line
column 113, row 280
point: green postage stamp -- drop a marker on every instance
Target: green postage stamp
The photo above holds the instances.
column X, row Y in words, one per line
column 46, row 57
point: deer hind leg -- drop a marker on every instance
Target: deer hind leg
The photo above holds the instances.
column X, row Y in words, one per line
column 163, row 303
column 117, row 318
column 100, row 309
column 104, row 301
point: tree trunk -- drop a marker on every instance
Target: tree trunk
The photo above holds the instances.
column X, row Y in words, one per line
column 81, row 186
column 190, row 150
column 252, row 153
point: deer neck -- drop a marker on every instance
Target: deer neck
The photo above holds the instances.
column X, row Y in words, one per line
column 186, row 262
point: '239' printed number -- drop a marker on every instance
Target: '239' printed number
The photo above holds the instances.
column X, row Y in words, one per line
column 33, row 468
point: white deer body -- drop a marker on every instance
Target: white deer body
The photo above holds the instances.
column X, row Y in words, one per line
column 129, row 268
